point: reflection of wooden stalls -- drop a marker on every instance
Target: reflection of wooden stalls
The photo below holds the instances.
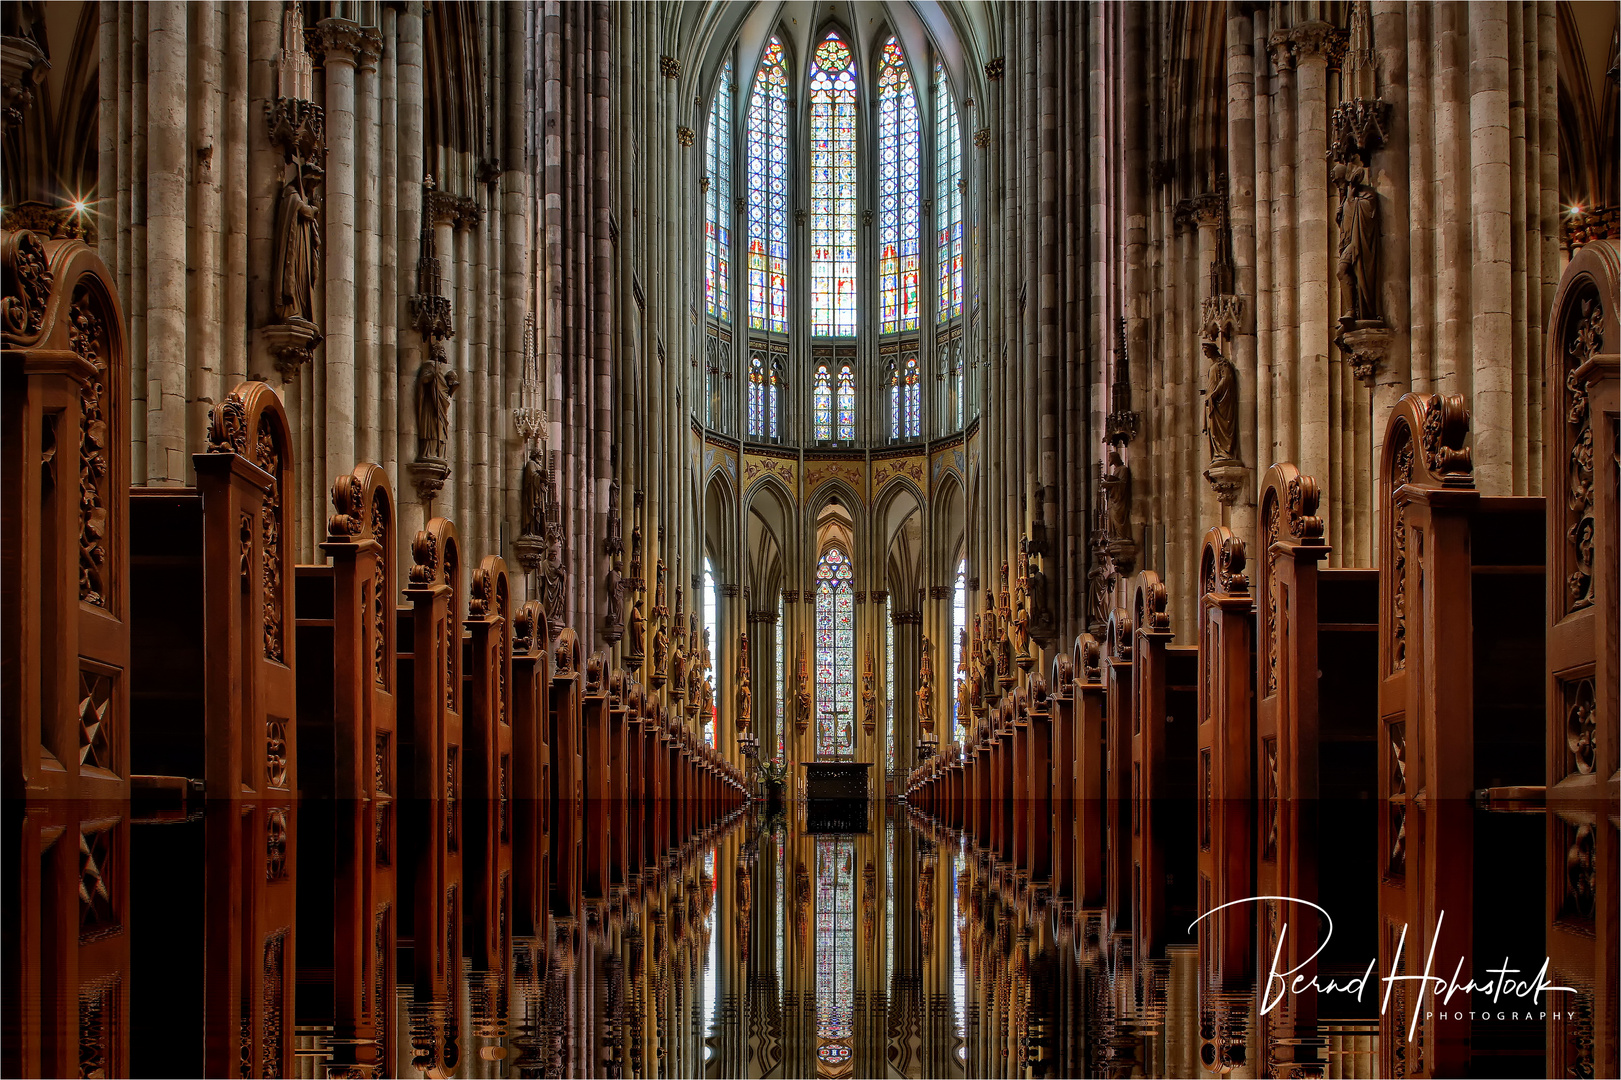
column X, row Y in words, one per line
column 346, row 610
column 487, row 733
column 1316, row 633
column 531, row 696
column 1581, row 422
column 249, row 948
column 1223, row 776
column 64, row 482
column 567, row 782
column 67, row 940
column 1461, row 592
column 1162, row 738
column 234, row 636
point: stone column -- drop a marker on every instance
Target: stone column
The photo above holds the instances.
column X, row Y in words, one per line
column 1311, row 42
column 1491, row 326
column 166, row 129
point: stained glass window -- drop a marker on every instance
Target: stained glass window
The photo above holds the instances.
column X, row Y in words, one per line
column 847, row 403
column 822, row 405
column 718, row 201
column 948, row 196
column 835, row 657
column 835, row 949
column 906, row 397
column 900, row 193
column 765, row 382
column 959, row 621
column 768, row 192
column 833, row 188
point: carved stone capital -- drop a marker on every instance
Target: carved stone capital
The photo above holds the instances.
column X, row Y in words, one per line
column 790, row 596
column 1315, row 38
column 684, row 135
column 291, row 345
column 995, row 67
column 1281, row 45
column 439, row 207
column 346, row 41
column 1123, row 556
column 669, row 67
column 730, row 589
column 880, row 596
column 1227, row 479
column 939, row 592
column 528, row 549
column 982, row 137
column 429, row 475
column 1366, row 350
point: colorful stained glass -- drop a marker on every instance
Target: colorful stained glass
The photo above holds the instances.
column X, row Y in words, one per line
column 835, row 948
column 948, row 196
column 765, row 383
column 835, row 657
column 847, row 403
column 718, row 201
column 768, row 192
column 889, row 690
column 900, row 193
column 833, row 189
column 906, row 397
column 782, row 628
column 822, row 405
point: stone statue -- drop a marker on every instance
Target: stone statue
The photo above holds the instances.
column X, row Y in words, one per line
column 636, row 556
column 436, row 385
column 638, row 629
column 708, row 660
column 535, row 494
column 1358, row 220
column 1020, row 631
column 1041, row 615
column 298, row 245
column 1097, row 596
column 658, row 588
column 745, row 699
column 1221, row 405
column 615, row 542
column 1116, row 485
column 614, row 586
column 661, row 649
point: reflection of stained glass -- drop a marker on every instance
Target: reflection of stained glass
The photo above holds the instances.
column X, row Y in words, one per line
column 889, row 687
column 835, row 656
column 900, row 151
column 822, row 405
column 948, row 197
column 847, row 403
column 718, row 201
column 782, row 628
column 906, row 398
column 768, row 193
column 959, row 621
column 833, row 189
column 835, row 948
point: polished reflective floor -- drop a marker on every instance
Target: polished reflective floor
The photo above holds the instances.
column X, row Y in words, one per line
column 413, row 940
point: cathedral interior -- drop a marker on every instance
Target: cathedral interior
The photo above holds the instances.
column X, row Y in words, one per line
column 857, row 539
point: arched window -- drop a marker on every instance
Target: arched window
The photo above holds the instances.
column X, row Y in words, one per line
column 906, row 398
column 768, row 193
column 822, row 405
column 900, row 193
column 835, row 657
column 718, row 201
column 959, row 622
column 835, row 951
column 833, row 188
column 948, row 196
column 712, row 624
column 764, row 387
column 847, row 403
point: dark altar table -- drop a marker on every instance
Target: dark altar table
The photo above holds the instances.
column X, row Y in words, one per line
column 836, row 796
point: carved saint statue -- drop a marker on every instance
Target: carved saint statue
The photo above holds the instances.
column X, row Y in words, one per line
column 614, row 586
column 1221, row 405
column 638, row 629
column 1097, row 597
column 658, row 588
column 925, row 715
column 661, row 648
column 615, row 542
column 1358, row 219
column 1020, row 632
column 636, row 555
column 535, row 494
column 745, row 699
column 1041, row 616
column 706, row 661
column 298, row 245
column 436, row 385
column 1116, row 485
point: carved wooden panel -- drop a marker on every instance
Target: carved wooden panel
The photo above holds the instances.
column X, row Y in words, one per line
column 64, row 699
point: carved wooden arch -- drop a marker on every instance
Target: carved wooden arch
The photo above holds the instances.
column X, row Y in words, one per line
column 1222, row 564
column 437, row 563
column 566, row 653
column 490, row 598
column 63, row 336
column 1088, row 659
column 363, row 507
column 1061, row 676
column 1288, row 515
column 1149, row 601
column 1120, row 633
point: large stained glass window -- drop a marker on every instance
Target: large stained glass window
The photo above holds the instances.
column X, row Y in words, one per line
column 768, row 192
column 718, row 201
column 900, row 193
column 835, row 657
column 906, row 397
column 833, row 188
column 764, row 390
column 847, row 403
column 835, row 950
column 948, row 196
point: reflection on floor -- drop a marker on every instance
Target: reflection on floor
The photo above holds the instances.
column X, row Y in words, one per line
column 758, row 949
